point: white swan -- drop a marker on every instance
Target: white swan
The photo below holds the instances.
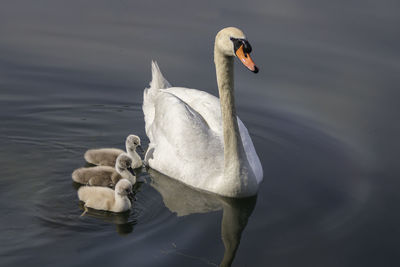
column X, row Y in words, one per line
column 106, row 175
column 108, row 156
column 104, row 198
column 196, row 137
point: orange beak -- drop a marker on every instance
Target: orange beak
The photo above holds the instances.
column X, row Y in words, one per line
column 246, row 59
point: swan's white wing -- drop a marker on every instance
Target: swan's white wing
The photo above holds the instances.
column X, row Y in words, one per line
column 182, row 143
column 251, row 153
column 208, row 106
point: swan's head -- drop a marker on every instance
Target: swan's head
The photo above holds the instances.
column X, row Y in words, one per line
column 123, row 187
column 132, row 142
column 123, row 165
column 232, row 42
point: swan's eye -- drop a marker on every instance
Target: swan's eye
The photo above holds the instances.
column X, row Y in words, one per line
column 237, row 43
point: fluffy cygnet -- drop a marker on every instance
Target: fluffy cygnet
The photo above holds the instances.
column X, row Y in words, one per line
column 105, row 175
column 131, row 143
column 103, row 198
column 124, row 167
column 108, row 156
column 103, row 156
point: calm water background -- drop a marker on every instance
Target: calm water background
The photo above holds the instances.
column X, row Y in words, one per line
column 322, row 112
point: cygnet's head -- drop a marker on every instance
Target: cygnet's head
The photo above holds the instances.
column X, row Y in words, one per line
column 131, row 142
column 232, row 42
column 123, row 163
column 123, row 187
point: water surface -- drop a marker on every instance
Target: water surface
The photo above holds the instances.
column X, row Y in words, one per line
column 322, row 113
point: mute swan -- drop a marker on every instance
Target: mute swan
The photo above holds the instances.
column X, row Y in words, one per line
column 104, row 198
column 196, row 137
column 108, row 156
column 106, row 175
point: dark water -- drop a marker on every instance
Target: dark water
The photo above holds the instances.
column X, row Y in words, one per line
column 322, row 112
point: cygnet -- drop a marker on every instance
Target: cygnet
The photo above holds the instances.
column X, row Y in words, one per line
column 103, row 198
column 132, row 142
column 108, row 156
column 105, row 175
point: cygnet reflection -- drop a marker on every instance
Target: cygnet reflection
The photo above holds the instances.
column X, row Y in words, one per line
column 123, row 223
column 183, row 200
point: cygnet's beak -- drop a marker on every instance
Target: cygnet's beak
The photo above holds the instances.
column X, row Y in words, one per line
column 246, row 59
column 131, row 196
column 131, row 170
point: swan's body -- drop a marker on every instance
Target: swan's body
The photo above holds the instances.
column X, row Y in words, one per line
column 108, row 156
column 103, row 198
column 106, row 175
column 196, row 137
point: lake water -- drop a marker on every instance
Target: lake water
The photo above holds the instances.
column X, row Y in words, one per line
column 322, row 112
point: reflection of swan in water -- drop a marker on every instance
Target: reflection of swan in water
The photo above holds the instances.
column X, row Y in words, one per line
column 184, row 200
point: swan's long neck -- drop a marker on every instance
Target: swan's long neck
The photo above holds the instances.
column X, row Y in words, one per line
column 234, row 155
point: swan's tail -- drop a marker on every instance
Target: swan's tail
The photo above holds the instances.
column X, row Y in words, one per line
column 158, row 81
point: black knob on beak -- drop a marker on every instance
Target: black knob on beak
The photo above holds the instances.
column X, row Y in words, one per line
column 246, row 47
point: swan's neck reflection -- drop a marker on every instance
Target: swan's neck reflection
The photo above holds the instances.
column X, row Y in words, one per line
column 183, row 200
